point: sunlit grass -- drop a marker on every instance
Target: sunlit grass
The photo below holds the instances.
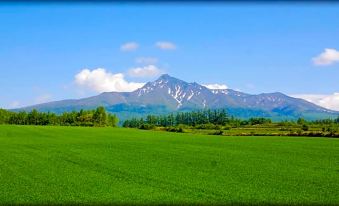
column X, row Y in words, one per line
column 116, row 165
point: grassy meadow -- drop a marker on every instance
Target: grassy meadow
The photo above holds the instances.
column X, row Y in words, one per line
column 66, row 165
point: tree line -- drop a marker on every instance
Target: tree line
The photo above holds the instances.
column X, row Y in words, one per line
column 219, row 119
column 207, row 119
column 185, row 118
column 197, row 118
column 97, row 117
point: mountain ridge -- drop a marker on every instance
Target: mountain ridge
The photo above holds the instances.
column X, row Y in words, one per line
column 172, row 94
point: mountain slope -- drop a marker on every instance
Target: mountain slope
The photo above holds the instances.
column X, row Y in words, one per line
column 169, row 94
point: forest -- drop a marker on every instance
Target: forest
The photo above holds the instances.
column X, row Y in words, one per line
column 207, row 121
column 218, row 122
column 97, row 117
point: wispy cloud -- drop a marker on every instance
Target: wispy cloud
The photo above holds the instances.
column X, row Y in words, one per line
column 215, row 86
column 100, row 80
column 146, row 71
column 165, row 45
column 327, row 57
column 146, row 60
column 330, row 101
column 129, row 46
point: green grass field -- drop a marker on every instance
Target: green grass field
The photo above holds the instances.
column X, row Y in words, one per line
column 43, row 165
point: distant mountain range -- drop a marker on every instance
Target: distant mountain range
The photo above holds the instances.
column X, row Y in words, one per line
column 168, row 94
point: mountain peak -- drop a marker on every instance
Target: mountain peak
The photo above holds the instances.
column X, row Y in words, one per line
column 165, row 76
column 167, row 79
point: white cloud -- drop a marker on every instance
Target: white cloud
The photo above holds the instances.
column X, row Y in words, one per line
column 129, row 46
column 328, row 101
column 165, row 45
column 328, row 57
column 215, row 86
column 146, row 71
column 146, row 60
column 100, row 80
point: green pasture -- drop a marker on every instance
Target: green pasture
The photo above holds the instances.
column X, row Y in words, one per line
column 52, row 165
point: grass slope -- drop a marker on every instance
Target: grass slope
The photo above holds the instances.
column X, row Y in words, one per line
column 115, row 165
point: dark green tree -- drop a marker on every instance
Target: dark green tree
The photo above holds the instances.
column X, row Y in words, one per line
column 100, row 117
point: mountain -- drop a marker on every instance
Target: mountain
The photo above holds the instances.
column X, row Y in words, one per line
column 169, row 94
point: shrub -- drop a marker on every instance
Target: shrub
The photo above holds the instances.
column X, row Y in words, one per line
column 147, row 126
column 218, row 132
column 304, row 127
column 227, row 127
column 175, row 129
column 207, row 126
column 183, row 126
column 284, row 129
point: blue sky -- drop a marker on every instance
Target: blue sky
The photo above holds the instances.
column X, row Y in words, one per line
column 254, row 48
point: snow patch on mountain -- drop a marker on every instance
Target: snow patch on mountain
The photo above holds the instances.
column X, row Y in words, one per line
column 191, row 95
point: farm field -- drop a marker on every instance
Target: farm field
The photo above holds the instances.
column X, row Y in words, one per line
column 66, row 165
